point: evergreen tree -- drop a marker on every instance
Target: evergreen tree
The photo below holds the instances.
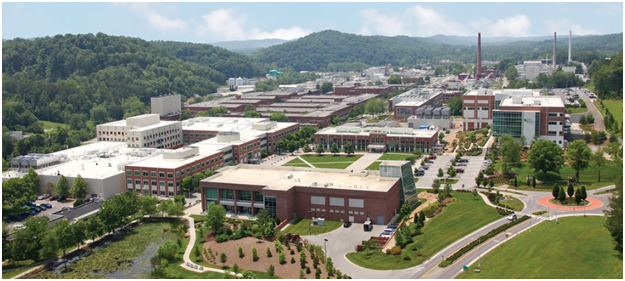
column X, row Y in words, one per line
column 62, row 187
column 269, row 252
column 578, row 196
column 254, row 254
column 270, row 270
column 555, row 191
column 223, row 259
column 583, row 192
column 570, row 191
column 320, row 149
column 561, row 195
column 335, row 149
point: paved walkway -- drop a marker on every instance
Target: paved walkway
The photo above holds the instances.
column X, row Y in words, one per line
column 363, row 162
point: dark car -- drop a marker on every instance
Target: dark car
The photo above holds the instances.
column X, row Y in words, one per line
column 424, row 167
column 61, row 199
column 32, row 212
column 42, row 207
column 38, row 209
column 48, row 205
column 347, row 224
column 54, row 197
column 459, row 170
column 462, row 160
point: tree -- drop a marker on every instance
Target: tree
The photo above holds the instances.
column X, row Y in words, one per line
column 578, row 156
column 270, row 270
column 405, row 209
column 48, row 250
column 302, row 259
column 474, row 192
column 534, row 182
column 163, row 206
column 334, row 148
column 185, row 114
column 348, row 148
column 599, row 160
column 516, row 183
column 510, row 150
column 440, row 173
column 215, row 215
column 278, row 117
column 269, row 252
column 491, row 183
column 254, row 254
column 291, row 146
column 62, row 187
column 452, row 172
column 561, row 195
column 187, row 185
column 511, row 73
column 240, row 251
column 168, row 250
column 235, row 268
column 31, row 181
column 479, row 179
column 320, row 149
column 583, row 192
column 555, row 191
column 578, row 196
column 330, row 266
column 307, row 148
column 326, row 87
column 583, row 121
column 455, row 105
column 223, row 259
column 79, row 188
column 570, row 190
column 614, row 220
column 63, row 235
column 394, row 79
column 301, row 274
column 545, row 156
column 94, row 227
column 175, row 209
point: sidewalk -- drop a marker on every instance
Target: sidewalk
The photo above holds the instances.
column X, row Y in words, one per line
column 363, row 162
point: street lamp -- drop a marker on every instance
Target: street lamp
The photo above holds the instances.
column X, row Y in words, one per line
column 479, row 263
column 325, row 246
column 309, row 225
column 584, row 201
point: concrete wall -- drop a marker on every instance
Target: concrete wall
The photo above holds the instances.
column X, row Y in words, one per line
column 105, row 188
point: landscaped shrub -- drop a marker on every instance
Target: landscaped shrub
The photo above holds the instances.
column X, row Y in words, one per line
column 429, row 211
column 221, row 238
column 394, row 251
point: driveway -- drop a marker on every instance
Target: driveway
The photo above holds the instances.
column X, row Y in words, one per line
column 344, row 240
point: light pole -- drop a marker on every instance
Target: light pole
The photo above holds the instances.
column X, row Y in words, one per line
column 479, row 263
column 325, row 246
column 584, row 201
column 309, row 227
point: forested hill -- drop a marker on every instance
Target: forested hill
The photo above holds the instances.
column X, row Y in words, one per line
column 333, row 50
column 229, row 63
column 62, row 78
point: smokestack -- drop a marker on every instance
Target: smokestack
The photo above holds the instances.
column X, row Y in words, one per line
column 553, row 60
column 570, row 35
column 479, row 56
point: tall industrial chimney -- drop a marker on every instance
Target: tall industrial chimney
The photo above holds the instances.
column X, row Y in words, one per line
column 553, row 60
column 570, row 35
column 479, row 56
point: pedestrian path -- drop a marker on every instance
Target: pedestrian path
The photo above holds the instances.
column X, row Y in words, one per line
column 306, row 162
column 363, row 162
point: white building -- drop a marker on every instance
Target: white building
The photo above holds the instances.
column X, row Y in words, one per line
column 145, row 130
column 165, row 105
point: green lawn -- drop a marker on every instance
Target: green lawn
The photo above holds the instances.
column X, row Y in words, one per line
column 395, row 156
column 49, row 125
column 329, row 158
column 296, row 162
column 332, row 165
column 512, row 203
column 576, row 248
column 446, row 181
column 301, row 226
column 441, row 231
column 577, row 110
column 615, row 107
column 588, row 177
column 374, row 166
column 13, row 273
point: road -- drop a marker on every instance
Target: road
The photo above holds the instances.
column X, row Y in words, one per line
column 592, row 109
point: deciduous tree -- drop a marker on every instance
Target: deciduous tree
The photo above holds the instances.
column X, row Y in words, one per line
column 545, row 156
column 578, row 156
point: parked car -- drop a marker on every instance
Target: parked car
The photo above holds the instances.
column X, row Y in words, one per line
column 32, row 212
column 386, row 234
column 424, row 167
column 38, row 209
column 54, row 197
column 388, row 229
column 431, row 157
column 462, row 160
column 347, row 224
column 419, row 173
column 459, row 170
column 42, row 207
column 392, row 226
column 461, row 164
column 19, row 226
column 61, row 199
column 48, row 205
column 512, row 217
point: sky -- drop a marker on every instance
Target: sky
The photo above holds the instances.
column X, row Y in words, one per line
column 202, row 22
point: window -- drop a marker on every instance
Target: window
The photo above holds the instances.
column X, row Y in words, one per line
column 161, row 174
column 154, row 184
column 170, row 175
column 337, row 201
column 129, row 181
column 162, row 183
column 145, row 173
column 153, row 191
column 145, row 183
column 129, row 172
column 137, row 173
column 317, row 200
column 137, row 182
column 170, row 184
column 553, row 123
column 357, row 203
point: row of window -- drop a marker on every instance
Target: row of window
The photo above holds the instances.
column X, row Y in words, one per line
column 171, row 175
column 114, row 133
column 154, row 192
column 332, row 211
column 197, row 135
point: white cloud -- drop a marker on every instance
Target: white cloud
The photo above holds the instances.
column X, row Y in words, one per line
column 515, row 26
column 562, row 26
column 225, row 24
column 156, row 18
column 423, row 22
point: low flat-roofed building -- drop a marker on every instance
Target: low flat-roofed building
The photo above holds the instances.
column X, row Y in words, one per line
column 378, row 139
column 290, row 192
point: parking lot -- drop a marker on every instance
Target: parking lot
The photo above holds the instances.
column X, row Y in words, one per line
column 56, row 206
column 471, row 170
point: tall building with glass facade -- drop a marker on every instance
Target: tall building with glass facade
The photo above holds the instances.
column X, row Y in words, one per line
column 402, row 170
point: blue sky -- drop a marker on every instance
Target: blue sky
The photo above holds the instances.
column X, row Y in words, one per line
column 216, row 21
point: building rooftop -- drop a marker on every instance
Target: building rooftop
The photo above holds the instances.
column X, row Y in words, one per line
column 525, row 101
column 283, row 178
column 260, row 125
column 342, row 130
column 187, row 155
column 491, row 92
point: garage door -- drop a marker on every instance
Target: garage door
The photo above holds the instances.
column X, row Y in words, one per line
column 379, row 219
column 351, row 219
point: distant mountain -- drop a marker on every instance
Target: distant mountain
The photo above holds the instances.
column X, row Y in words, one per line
column 333, row 50
column 248, row 46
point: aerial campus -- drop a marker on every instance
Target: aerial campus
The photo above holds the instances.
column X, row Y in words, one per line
column 125, row 158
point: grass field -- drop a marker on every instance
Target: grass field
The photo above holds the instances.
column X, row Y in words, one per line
column 374, row 166
column 13, row 273
column 439, row 232
column 296, row 163
column 576, row 248
column 615, row 107
column 329, row 158
column 512, row 203
column 394, row 156
column 300, row 226
column 49, row 125
column 332, row 165
column 588, row 177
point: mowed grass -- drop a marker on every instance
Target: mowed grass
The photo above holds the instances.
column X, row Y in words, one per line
column 300, row 226
column 11, row 274
column 374, row 166
column 332, row 165
column 441, row 231
column 616, row 109
column 588, row 177
column 329, row 158
column 49, row 125
column 512, row 203
column 296, row 163
column 576, row 248
column 395, row 156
